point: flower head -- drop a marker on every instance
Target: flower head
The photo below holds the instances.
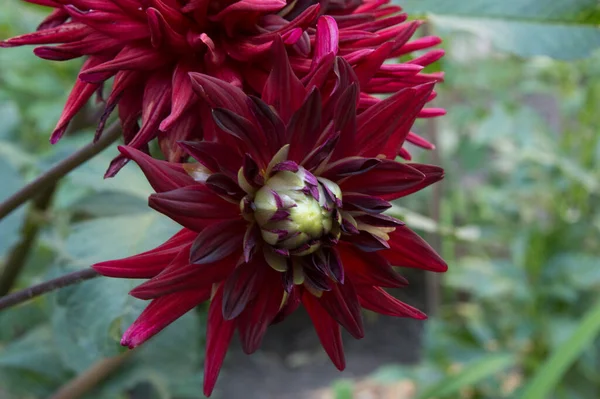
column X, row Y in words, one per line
column 285, row 208
column 150, row 47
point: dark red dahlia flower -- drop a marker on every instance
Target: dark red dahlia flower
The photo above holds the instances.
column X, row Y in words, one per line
column 286, row 208
column 150, row 47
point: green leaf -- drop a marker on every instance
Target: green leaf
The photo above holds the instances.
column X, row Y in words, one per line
column 469, row 376
column 562, row 30
column 552, row 370
column 31, row 365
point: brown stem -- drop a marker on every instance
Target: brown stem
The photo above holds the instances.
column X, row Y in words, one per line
column 31, row 227
column 54, row 174
column 85, row 382
column 37, row 290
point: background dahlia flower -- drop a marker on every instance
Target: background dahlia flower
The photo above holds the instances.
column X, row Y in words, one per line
column 149, row 47
column 286, row 209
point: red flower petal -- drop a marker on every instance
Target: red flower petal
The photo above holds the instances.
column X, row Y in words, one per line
column 407, row 249
column 327, row 329
column 377, row 300
column 261, row 311
column 342, row 304
column 370, row 268
column 218, row 336
column 162, row 176
column 147, row 264
column 160, row 313
column 218, row 241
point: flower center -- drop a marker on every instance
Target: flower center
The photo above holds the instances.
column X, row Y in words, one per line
column 296, row 212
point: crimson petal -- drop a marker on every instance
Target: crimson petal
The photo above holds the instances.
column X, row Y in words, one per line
column 160, row 313
column 218, row 336
column 242, row 286
column 377, row 300
column 327, row 329
column 407, row 249
column 342, row 304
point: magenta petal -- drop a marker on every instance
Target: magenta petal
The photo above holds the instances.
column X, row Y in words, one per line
column 160, row 313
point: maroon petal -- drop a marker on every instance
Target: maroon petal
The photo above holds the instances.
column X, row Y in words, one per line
column 218, row 241
column 216, row 157
column 290, row 306
column 260, row 312
column 342, row 304
column 271, row 124
column 327, row 329
column 180, row 275
column 367, row 242
column 218, row 336
column 304, row 128
column 350, row 166
column 365, row 203
column 377, row 300
column 242, row 286
column 240, row 128
column 432, row 174
column 379, row 220
column 149, row 263
column 407, row 249
column 196, row 202
column 219, row 94
column 283, row 90
column 344, row 117
column 224, row 186
column 160, row 313
column 370, row 268
column 162, row 176
column 387, row 180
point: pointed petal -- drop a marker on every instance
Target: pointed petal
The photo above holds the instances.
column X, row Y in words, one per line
column 327, row 329
column 407, row 249
column 342, row 304
column 162, row 176
column 218, row 241
column 377, row 300
column 218, row 336
column 242, row 286
column 160, row 313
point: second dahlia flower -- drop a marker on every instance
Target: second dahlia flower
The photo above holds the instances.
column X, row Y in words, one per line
column 285, row 209
column 150, row 46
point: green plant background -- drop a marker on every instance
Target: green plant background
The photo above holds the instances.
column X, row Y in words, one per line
column 519, row 220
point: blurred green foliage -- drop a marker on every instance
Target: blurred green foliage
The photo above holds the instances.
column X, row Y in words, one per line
column 520, row 220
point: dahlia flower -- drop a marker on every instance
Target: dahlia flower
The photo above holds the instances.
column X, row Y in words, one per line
column 149, row 47
column 284, row 209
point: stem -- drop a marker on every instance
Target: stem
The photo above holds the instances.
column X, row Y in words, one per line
column 37, row 290
column 86, row 381
column 18, row 256
column 54, row 174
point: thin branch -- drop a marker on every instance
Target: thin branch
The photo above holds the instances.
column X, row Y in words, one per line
column 18, row 256
column 54, row 174
column 37, row 290
column 85, row 382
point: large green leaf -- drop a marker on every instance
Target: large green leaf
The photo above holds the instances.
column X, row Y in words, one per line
column 559, row 29
column 546, row 379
